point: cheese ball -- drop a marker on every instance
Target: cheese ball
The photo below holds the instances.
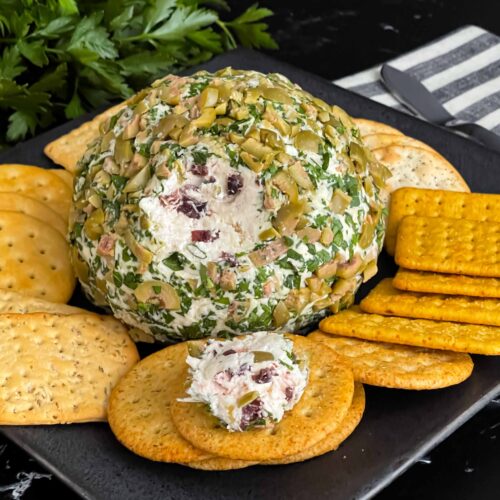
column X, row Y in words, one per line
column 226, row 203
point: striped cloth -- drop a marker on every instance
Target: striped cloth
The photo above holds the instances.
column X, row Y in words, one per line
column 461, row 69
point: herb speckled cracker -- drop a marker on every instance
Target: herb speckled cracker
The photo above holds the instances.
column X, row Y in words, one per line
column 382, row 140
column 417, row 167
column 60, row 369
column 385, row 299
column 398, row 366
column 139, row 408
column 331, row 442
column 452, row 284
column 69, row 148
column 34, row 258
column 438, row 203
column 458, row 337
column 321, row 409
column 18, row 203
column 38, row 183
column 368, row 127
column 447, row 245
column 13, row 302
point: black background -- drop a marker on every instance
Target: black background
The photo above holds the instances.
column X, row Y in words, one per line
column 334, row 39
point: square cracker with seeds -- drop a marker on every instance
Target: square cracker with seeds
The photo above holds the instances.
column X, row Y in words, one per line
column 445, row 245
column 60, row 369
column 451, row 284
column 13, row 302
column 438, row 203
column 387, row 300
column 458, row 337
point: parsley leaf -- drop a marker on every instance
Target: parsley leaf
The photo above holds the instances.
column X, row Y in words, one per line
column 60, row 58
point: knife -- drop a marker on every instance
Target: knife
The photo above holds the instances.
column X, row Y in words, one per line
column 410, row 92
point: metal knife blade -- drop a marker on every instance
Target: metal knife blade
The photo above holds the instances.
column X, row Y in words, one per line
column 410, row 92
column 415, row 96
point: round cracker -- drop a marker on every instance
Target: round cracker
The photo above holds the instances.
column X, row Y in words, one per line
column 34, row 258
column 331, row 442
column 417, row 167
column 377, row 141
column 38, row 183
column 398, row 366
column 322, row 407
column 66, row 176
column 139, row 408
column 368, row 127
column 19, row 203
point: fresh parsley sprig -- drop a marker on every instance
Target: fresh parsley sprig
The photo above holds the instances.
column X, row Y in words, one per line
column 59, row 58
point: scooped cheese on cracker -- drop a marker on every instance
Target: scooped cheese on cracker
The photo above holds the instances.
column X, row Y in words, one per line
column 249, row 381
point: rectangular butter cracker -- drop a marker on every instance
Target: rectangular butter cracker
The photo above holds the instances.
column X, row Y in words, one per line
column 438, row 203
column 387, row 300
column 445, row 245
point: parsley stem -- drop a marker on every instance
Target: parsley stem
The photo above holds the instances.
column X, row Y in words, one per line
column 231, row 40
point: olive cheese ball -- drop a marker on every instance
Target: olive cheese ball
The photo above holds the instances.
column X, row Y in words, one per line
column 226, row 203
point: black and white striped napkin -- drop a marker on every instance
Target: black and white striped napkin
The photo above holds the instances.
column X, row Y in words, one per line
column 461, row 69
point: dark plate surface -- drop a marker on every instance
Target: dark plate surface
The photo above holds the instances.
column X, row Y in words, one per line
column 398, row 426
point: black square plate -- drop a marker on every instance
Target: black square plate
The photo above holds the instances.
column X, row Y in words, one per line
column 398, row 426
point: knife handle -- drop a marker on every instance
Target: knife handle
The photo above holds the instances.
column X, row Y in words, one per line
column 489, row 139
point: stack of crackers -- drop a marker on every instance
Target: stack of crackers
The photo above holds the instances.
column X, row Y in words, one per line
column 444, row 300
column 58, row 363
column 410, row 161
column 148, row 416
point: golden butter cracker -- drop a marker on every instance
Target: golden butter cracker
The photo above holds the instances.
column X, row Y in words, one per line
column 321, row 409
column 60, row 369
column 417, row 167
column 13, row 302
column 451, row 284
column 438, row 203
column 34, row 258
column 331, row 442
column 19, row 203
column 398, row 366
column 385, row 299
column 368, row 127
column 69, row 148
column 458, row 337
column 445, row 245
column 38, row 183
column 139, row 408
column 65, row 175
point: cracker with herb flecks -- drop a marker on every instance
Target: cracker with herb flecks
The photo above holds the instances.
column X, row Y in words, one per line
column 398, row 366
column 330, row 443
column 139, row 408
column 13, row 302
column 381, row 140
column 321, row 409
column 34, row 258
column 417, row 167
column 368, row 127
column 60, row 369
